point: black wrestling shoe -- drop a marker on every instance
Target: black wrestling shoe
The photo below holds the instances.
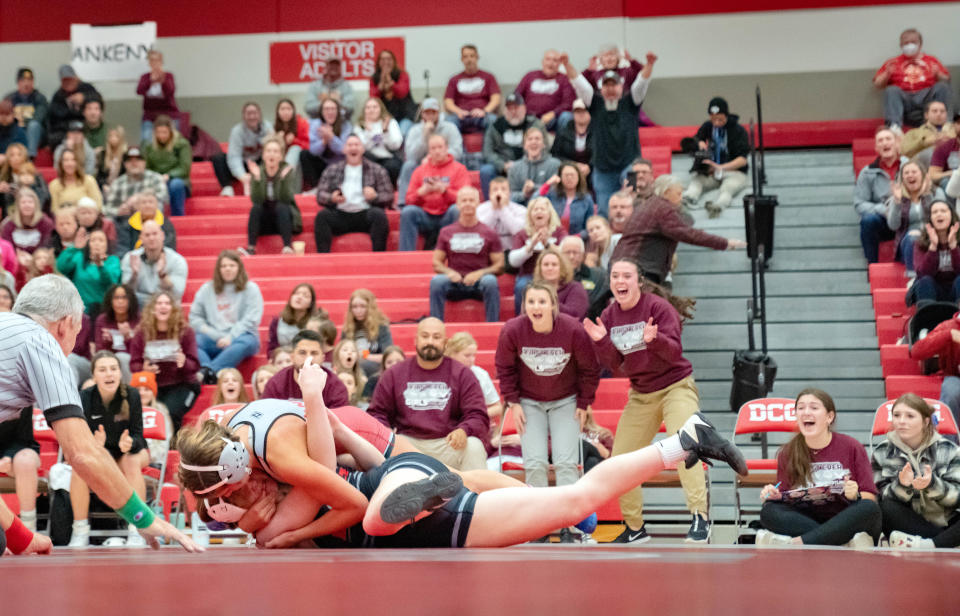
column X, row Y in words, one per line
column 428, row 494
column 703, row 442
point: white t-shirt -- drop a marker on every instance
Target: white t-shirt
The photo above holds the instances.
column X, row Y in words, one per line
column 352, row 189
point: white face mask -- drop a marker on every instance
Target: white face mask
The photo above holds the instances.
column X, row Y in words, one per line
column 910, row 49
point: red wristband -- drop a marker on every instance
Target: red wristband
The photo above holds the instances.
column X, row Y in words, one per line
column 18, row 536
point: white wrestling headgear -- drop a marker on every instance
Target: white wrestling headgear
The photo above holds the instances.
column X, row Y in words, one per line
column 223, row 511
column 234, row 465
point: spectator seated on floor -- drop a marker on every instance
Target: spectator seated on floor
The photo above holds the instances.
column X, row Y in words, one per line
column 328, row 135
column 572, row 142
column 94, row 128
column 225, row 314
column 346, row 360
column 946, row 157
column 301, row 307
column 169, row 154
column 534, row 169
column 943, row 342
column 501, row 214
column 503, row 139
column 593, row 279
column 153, row 268
column 76, row 142
column 917, row 473
column 652, row 235
column 937, row 257
column 467, row 260
column 353, row 194
column 568, row 192
column 369, row 328
column 72, row 183
column 463, row 348
column 230, row 389
column 261, row 376
column 26, row 227
column 907, row 207
column 273, row 209
column 293, row 131
column 542, row 229
column 548, row 92
column 435, row 401
column 911, row 80
column 146, row 208
column 330, row 85
column 727, row 148
column 245, row 144
column 472, row 97
column 124, row 192
column 415, row 143
column 554, row 270
column 67, row 104
column 392, row 355
column 391, row 84
column 381, row 136
column 158, row 90
column 30, row 109
column 20, row 459
column 431, row 197
column 920, row 142
column 873, row 188
column 285, row 385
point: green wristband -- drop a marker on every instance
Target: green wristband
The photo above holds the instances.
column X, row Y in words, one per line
column 136, row 512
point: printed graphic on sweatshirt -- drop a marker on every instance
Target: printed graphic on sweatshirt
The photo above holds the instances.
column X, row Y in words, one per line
column 827, row 473
column 628, row 338
column 470, row 85
column 544, row 86
column 513, row 137
column 470, row 243
column 427, row 395
column 544, row 361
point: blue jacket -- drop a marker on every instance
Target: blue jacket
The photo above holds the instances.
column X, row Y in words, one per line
column 581, row 208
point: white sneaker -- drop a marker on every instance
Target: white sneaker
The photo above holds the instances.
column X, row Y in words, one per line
column 114, row 542
column 900, row 540
column 897, row 130
column 134, row 538
column 227, row 191
column 80, row 535
column 860, row 541
column 767, row 538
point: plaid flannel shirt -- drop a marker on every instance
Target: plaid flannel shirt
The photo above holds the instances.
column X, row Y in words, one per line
column 374, row 176
column 124, row 187
column 939, row 500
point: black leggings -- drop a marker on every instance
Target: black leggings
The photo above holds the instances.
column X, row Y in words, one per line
column 179, row 399
column 222, row 170
column 311, row 168
column 860, row 516
column 901, row 516
column 269, row 218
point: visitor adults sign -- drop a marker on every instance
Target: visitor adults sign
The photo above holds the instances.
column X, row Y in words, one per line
column 304, row 61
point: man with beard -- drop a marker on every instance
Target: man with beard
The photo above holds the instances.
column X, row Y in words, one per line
column 503, row 140
column 435, row 401
column 285, row 385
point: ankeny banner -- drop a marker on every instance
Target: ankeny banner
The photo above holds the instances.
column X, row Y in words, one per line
column 304, row 61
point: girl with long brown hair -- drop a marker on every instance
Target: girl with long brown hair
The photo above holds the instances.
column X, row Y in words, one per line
column 72, row 183
column 825, row 493
column 366, row 325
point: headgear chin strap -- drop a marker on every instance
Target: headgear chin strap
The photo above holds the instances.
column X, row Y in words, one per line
column 233, row 468
column 225, row 512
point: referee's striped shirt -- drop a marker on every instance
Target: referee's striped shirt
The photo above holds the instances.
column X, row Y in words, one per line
column 34, row 371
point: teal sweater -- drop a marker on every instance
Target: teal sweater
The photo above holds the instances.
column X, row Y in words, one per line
column 92, row 281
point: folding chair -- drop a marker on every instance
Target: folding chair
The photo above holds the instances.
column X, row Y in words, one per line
column 760, row 416
column 883, row 420
column 160, row 475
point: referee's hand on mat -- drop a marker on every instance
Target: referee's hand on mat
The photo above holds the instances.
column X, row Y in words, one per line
column 163, row 529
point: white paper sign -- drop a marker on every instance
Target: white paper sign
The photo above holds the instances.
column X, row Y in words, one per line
column 111, row 53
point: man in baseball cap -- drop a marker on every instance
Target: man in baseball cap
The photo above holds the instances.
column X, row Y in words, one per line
column 67, row 103
column 725, row 167
column 29, row 109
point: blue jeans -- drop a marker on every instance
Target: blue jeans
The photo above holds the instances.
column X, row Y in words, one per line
column 906, row 251
column 873, row 230
column 215, row 358
column 414, row 221
column 470, row 124
column 443, row 289
column 146, row 129
column 34, row 137
column 605, row 183
column 559, row 121
column 927, row 289
column 950, row 393
column 405, row 124
column 518, row 286
column 178, row 195
column 487, row 173
column 403, row 181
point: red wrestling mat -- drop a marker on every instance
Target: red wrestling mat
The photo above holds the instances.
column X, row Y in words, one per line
column 525, row 580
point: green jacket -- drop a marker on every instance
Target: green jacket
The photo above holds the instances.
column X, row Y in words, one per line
column 92, row 281
column 174, row 162
column 284, row 190
column 96, row 137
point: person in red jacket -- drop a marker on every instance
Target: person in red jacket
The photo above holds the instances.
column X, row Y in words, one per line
column 294, row 130
column 431, row 196
column 944, row 343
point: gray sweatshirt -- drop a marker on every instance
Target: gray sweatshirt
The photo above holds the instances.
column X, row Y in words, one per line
column 147, row 282
column 244, row 145
column 319, row 88
column 416, row 146
column 230, row 313
column 872, row 190
column 525, row 169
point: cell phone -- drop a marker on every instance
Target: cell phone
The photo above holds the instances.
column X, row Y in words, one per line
column 632, row 179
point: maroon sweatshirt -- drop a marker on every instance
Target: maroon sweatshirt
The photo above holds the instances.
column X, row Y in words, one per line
column 284, row 387
column 573, row 300
column 158, row 105
column 546, row 367
column 430, row 403
column 169, row 373
column 102, row 343
column 651, row 367
column 527, row 267
column 942, row 265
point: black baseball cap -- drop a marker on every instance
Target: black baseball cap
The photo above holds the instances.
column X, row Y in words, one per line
column 133, row 152
column 514, row 99
column 611, row 75
column 75, row 125
column 718, row 105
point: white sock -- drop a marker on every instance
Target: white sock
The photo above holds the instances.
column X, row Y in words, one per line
column 28, row 515
column 81, row 524
column 670, row 451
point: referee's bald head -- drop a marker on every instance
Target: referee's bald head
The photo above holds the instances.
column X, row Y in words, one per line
column 53, row 302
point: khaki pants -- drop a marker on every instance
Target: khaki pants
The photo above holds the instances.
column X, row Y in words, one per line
column 732, row 183
column 638, row 425
column 470, row 458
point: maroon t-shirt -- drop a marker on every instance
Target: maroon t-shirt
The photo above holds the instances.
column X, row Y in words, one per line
column 651, row 367
column 941, row 155
column 843, row 457
column 467, row 248
column 430, row 403
column 472, row 91
column 284, row 387
column 547, row 367
column 169, row 373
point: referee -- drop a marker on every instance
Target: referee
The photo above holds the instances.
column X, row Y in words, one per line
column 34, row 341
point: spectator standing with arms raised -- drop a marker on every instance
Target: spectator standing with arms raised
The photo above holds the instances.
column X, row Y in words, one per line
column 157, row 88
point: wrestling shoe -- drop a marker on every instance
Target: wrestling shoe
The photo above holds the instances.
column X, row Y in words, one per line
column 862, row 541
column 80, row 535
column 700, row 529
column 632, row 536
column 703, row 442
column 428, row 494
column 900, row 540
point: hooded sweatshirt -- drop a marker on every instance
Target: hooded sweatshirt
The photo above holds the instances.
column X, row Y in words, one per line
column 450, row 173
column 229, row 313
column 245, row 144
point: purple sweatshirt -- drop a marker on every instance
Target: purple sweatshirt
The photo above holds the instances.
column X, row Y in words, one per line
column 651, row 367
column 542, row 94
column 158, row 99
column 430, row 403
column 546, row 367
column 942, row 265
column 285, row 387
column 573, row 300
